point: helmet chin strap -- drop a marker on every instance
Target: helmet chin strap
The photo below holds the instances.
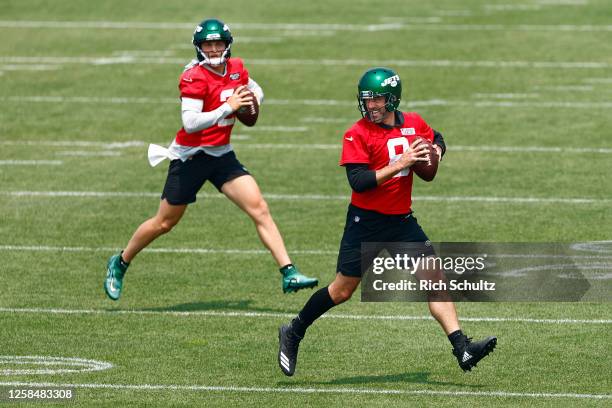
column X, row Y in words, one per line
column 213, row 61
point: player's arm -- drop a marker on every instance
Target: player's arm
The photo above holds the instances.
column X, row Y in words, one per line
column 439, row 144
column 256, row 89
column 361, row 178
column 195, row 120
column 417, row 152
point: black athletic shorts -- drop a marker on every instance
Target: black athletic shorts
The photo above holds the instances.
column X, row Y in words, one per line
column 186, row 178
column 370, row 226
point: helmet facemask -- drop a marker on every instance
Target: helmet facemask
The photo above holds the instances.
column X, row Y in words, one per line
column 204, row 59
column 390, row 104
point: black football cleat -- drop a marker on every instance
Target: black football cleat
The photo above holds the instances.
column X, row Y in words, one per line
column 470, row 353
column 288, row 344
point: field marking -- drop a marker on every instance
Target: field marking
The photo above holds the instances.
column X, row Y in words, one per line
column 302, row 390
column 317, row 197
column 133, row 59
column 82, row 153
column 309, row 27
column 25, row 67
column 320, row 102
column 459, row 148
column 47, row 248
column 31, row 162
column 51, row 248
column 291, row 129
column 84, row 364
column 305, row 146
column 482, row 95
column 75, row 143
column 245, row 314
column 603, row 247
column 597, row 80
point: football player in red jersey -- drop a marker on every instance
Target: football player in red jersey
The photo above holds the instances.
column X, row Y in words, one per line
column 377, row 153
column 213, row 87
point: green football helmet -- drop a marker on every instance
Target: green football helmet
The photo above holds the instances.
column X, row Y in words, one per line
column 376, row 82
column 212, row 30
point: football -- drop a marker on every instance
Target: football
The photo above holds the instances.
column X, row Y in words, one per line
column 426, row 170
column 248, row 114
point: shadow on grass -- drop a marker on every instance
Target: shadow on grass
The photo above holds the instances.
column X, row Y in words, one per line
column 405, row 378
column 216, row 305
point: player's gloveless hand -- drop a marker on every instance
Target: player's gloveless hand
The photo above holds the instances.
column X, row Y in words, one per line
column 241, row 97
column 417, row 152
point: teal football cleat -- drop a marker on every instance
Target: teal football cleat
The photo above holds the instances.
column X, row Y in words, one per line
column 293, row 280
column 115, row 270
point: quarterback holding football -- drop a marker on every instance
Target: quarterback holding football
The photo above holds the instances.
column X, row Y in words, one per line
column 215, row 89
column 380, row 153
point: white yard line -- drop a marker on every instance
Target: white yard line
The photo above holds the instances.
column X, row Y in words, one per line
column 268, row 315
column 310, row 390
column 31, row 162
column 308, row 26
column 581, row 246
column 303, row 146
column 82, row 153
column 318, row 197
column 133, row 59
column 321, row 102
column 228, row 251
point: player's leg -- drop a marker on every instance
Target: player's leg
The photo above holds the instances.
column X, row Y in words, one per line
column 245, row 193
column 167, row 217
column 182, row 184
column 440, row 303
column 290, row 335
column 232, row 179
column 340, row 290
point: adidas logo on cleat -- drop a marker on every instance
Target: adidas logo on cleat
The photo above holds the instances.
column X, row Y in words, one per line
column 466, row 356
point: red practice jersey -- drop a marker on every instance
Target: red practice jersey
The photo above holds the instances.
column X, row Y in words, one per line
column 200, row 83
column 368, row 143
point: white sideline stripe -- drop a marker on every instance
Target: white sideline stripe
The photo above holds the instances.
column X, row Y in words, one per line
column 319, row 102
column 74, row 143
column 591, row 246
column 301, row 390
column 317, row 197
column 131, row 59
column 214, row 313
column 81, row 153
column 43, row 248
column 503, row 149
column 314, row 146
column 278, row 129
column 306, row 26
column 30, row 162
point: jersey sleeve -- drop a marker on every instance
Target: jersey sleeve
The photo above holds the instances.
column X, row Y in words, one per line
column 423, row 129
column 245, row 76
column 192, row 86
column 354, row 149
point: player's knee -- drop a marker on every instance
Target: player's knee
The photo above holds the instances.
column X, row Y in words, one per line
column 166, row 225
column 341, row 295
column 260, row 211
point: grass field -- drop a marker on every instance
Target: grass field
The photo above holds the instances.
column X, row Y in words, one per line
column 522, row 92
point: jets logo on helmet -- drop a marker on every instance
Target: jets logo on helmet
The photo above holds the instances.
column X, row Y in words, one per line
column 212, row 30
column 377, row 82
column 393, row 81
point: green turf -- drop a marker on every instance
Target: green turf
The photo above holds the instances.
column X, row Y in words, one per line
column 184, row 333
